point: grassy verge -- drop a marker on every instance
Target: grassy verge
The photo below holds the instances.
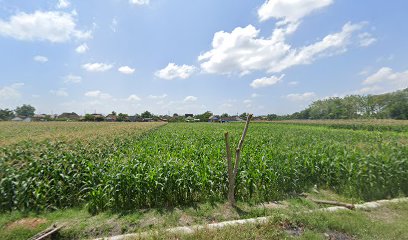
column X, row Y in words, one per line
column 288, row 221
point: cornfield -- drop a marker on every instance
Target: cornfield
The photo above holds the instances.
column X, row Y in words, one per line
column 182, row 164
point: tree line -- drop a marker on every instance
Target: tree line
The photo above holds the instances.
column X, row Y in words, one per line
column 384, row 106
column 23, row 111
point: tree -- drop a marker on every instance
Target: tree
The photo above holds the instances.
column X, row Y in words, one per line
column 89, row 117
column 6, row 114
column 122, row 117
column 113, row 113
column 147, row 114
column 204, row 116
column 224, row 115
column 243, row 115
column 25, row 110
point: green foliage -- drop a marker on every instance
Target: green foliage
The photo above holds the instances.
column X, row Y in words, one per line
column 204, row 116
column 146, row 114
column 390, row 105
column 25, row 110
column 89, row 117
column 6, row 114
column 122, row 117
column 181, row 164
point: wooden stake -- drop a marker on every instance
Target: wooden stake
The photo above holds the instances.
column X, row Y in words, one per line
column 230, row 167
column 232, row 174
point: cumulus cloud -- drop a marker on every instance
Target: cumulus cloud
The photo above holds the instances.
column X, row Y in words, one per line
column 384, row 80
column 63, row 4
column 366, row 39
column 40, row 59
column 301, row 97
column 97, row 67
column 190, row 99
column 243, row 51
column 157, row 96
column 72, row 79
column 60, row 92
column 98, row 94
column 266, row 81
column 50, row 26
column 11, row 92
column 83, row 48
column 139, row 2
column 290, row 10
column 172, row 71
column 126, row 70
column 133, row 98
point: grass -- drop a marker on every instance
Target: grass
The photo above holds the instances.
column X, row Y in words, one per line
column 288, row 218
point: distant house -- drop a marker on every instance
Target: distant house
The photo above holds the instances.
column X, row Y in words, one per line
column 17, row 119
column 214, row 118
column 231, row 119
column 189, row 119
column 27, row 119
column 188, row 115
column 111, row 118
column 98, row 117
column 165, row 118
column 69, row 116
column 40, row 117
column 136, row 118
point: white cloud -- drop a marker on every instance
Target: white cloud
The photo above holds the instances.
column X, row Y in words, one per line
column 290, row 10
column 114, row 25
column 40, row 59
column 82, row 48
column 366, row 39
column 139, row 2
column 63, row 4
column 98, row 94
column 60, row 92
column 382, row 74
column 172, row 71
column 11, row 92
column 72, row 79
column 255, row 95
column 50, row 26
column 133, row 98
column 190, row 99
column 243, row 51
column 126, row 70
column 96, row 67
column 293, row 83
column 384, row 80
column 266, row 81
column 307, row 96
column 157, row 97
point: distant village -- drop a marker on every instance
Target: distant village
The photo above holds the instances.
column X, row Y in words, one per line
column 26, row 113
column 96, row 117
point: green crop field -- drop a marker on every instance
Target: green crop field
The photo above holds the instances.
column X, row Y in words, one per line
column 113, row 166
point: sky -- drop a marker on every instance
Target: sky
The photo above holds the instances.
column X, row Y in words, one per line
column 179, row 56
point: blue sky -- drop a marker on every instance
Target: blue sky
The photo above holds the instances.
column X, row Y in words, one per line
column 165, row 56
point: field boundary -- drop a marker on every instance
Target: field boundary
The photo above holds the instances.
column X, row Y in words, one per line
column 259, row 220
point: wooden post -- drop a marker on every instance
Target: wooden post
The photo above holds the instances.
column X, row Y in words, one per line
column 230, row 167
column 233, row 170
